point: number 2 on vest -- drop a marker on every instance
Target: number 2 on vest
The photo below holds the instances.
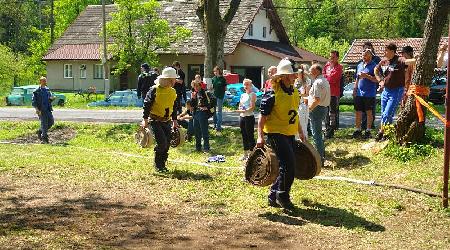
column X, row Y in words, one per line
column 293, row 115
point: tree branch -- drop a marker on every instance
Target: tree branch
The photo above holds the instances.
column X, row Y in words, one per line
column 201, row 13
column 234, row 5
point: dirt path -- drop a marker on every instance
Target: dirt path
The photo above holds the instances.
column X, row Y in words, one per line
column 69, row 217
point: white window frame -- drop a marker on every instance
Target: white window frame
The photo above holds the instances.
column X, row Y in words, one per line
column 264, row 33
column 98, row 69
column 83, row 70
column 68, row 72
column 250, row 29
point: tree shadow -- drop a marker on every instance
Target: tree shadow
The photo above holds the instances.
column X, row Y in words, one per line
column 342, row 159
column 323, row 215
column 101, row 221
column 185, row 175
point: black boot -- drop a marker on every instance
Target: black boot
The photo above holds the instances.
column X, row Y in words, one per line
column 160, row 163
column 284, row 201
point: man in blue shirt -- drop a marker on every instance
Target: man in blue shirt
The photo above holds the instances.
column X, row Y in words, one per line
column 364, row 92
column 42, row 102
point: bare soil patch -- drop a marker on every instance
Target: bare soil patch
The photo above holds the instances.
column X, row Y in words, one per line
column 56, row 136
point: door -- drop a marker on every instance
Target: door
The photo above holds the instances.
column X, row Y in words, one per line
column 251, row 72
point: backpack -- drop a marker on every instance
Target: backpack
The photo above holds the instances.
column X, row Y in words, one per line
column 212, row 103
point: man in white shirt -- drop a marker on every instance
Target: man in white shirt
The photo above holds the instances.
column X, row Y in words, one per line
column 318, row 101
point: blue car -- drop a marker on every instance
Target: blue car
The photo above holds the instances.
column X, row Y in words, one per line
column 234, row 92
column 121, row 98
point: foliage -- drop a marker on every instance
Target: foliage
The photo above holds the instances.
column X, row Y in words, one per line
column 8, row 67
column 137, row 33
column 408, row 152
column 323, row 45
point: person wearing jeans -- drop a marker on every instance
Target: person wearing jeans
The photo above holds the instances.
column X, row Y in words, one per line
column 390, row 73
column 219, row 85
column 332, row 71
column 318, row 101
column 199, row 103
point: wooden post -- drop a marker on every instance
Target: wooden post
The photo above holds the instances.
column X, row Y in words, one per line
column 446, row 136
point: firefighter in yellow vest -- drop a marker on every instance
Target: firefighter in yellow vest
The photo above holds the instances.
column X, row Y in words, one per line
column 160, row 106
column 280, row 122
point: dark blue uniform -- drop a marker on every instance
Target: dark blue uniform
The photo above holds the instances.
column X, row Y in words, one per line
column 42, row 101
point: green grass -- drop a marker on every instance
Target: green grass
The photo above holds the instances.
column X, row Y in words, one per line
column 105, row 156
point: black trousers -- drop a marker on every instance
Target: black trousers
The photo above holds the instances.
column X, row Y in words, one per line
column 332, row 119
column 283, row 146
column 161, row 131
column 364, row 117
column 247, row 125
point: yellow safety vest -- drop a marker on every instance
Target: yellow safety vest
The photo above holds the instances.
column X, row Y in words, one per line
column 164, row 100
column 283, row 118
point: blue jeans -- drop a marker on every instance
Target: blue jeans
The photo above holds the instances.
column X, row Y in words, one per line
column 217, row 118
column 201, row 130
column 47, row 122
column 390, row 99
column 316, row 118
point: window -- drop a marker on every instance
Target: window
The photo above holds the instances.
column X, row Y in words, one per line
column 250, row 30
column 68, row 71
column 83, row 71
column 98, row 71
column 264, row 32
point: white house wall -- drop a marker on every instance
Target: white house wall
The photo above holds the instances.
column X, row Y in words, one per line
column 260, row 21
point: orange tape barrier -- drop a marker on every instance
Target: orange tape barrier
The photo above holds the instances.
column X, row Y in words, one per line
column 417, row 91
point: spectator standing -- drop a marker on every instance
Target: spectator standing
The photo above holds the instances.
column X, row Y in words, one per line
column 442, row 58
column 364, row 92
column 279, row 120
column 200, row 104
column 407, row 53
column 333, row 73
column 145, row 80
column 160, row 105
column 219, row 84
column 303, row 84
column 270, row 72
column 179, row 86
column 376, row 59
column 247, row 118
column 42, row 102
column 390, row 73
column 318, row 102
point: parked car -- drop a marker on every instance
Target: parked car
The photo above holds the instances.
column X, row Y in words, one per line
column 234, row 92
column 437, row 90
column 22, row 95
column 122, row 98
column 347, row 97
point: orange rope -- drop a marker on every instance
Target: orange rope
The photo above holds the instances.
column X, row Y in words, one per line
column 435, row 113
column 417, row 90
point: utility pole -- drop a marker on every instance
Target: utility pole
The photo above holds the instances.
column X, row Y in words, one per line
column 52, row 22
column 105, row 56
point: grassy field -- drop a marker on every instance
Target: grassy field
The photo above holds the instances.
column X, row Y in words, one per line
column 93, row 187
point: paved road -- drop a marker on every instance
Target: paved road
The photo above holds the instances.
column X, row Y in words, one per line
column 347, row 119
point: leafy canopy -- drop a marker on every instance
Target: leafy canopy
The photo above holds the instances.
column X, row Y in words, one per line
column 137, row 33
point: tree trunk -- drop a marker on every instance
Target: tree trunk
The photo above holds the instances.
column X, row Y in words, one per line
column 409, row 129
column 215, row 30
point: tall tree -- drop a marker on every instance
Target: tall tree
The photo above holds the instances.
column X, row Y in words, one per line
column 409, row 129
column 138, row 32
column 215, row 30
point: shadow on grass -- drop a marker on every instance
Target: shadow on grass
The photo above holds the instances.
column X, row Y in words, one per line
column 343, row 161
column 323, row 215
column 185, row 175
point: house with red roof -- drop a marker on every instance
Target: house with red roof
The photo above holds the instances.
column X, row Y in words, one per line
column 256, row 40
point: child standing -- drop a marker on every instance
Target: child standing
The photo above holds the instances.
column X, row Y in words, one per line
column 247, row 118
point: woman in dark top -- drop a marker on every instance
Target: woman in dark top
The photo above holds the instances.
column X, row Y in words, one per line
column 200, row 104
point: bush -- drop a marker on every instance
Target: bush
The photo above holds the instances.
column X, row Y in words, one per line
column 409, row 152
